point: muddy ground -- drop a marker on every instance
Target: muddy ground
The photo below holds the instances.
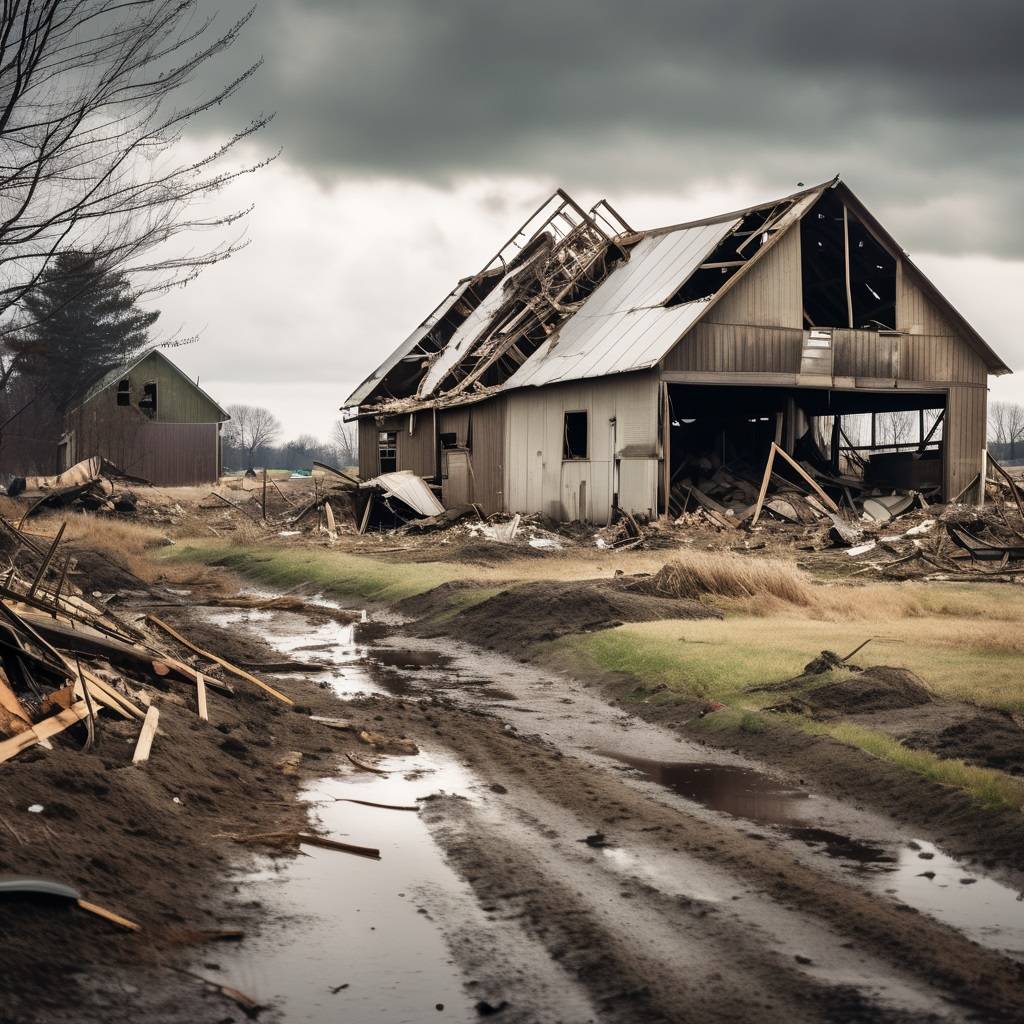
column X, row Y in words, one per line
column 597, row 863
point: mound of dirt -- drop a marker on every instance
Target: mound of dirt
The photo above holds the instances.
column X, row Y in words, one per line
column 880, row 688
column 534, row 612
column 991, row 739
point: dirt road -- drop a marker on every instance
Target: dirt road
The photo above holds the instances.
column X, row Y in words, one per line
column 571, row 862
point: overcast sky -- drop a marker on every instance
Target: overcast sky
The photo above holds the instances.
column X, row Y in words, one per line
column 417, row 134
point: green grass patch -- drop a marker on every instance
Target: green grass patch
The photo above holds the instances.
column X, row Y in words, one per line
column 335, row 573
column 990, row 787
column 714, row 659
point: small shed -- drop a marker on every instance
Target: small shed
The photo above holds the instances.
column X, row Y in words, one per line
column 150, row 420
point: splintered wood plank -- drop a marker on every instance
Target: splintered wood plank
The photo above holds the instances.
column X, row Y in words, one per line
column 146, row 734
column 233, row 669
column 43, row 730
column 108, row 915
column 102, row 691
column 201, row 696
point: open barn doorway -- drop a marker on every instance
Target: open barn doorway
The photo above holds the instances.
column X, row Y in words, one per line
column 852, row 443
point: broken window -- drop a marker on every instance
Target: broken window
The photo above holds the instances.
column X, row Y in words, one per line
column 148, row 401
column 387, row 451
column 124, row 392
column 848, row 278
column 449, row 440
column 574, row 436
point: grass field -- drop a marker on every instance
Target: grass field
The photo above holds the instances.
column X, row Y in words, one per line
column 962, row 658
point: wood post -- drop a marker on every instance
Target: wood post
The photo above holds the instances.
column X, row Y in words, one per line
column 264, row 494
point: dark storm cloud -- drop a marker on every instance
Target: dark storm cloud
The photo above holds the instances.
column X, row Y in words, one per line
column 916, row 102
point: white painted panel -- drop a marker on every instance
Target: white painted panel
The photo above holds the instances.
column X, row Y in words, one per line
column 638, row 486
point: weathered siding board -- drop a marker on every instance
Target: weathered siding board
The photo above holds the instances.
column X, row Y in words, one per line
column 915, row 311
column 536, row 478
column 367, row 448
column 177, row 399
column 940, row 358
column 770, row 293
column 488, row 454
column 724, row 348
column 415, row 450
column 964, row 436
column 417, row 446
column 166, row 454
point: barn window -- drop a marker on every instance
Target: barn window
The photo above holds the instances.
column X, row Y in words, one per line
column 449, row 440
column 124, row 392
column 148, row 401
column 387, row 451
column 574, row 436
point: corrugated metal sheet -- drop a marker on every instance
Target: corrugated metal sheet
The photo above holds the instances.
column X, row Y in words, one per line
column 462, row 340
column 623, row 326
column 408, row 487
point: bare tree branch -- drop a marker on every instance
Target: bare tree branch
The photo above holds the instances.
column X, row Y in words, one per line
column 90, row 113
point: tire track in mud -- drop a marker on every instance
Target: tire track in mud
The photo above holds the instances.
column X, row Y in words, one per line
column 603, row 954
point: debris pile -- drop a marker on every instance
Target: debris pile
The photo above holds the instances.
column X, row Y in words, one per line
column 66, row 663
column 94, row 485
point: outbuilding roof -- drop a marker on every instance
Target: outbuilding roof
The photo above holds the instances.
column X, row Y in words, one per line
column 120, row 372
column 630, row 321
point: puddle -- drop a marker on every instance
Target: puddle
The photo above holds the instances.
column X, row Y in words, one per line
column 352, row 922
column 930, row 881
column 734, row 789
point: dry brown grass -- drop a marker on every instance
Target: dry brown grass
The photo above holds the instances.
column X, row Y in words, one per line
column 697, row 574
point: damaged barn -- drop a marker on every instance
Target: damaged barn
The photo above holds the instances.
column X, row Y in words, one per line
column 590, row 368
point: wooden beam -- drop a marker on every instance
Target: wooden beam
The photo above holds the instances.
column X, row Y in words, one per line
column 146, row 734
column 233, row 669
column 810, row 480
column 764, row 483
column 846, row 259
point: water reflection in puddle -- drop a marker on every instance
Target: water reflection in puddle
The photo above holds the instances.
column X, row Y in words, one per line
column 916, row 873
column 362, row 949
column 986, row 910
column 743, row 792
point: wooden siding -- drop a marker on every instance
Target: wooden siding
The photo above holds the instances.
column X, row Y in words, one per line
column 770, row 293
column 417, row 446
column 414, row 441
column 178, row 400
column 367, row 448
column 536, row 478
column 964, row 437
column 724, row 348
column 487, row 460
column 165, row 454
column 915, row 311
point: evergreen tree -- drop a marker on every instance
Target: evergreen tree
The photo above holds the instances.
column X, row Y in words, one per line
column 84, row 322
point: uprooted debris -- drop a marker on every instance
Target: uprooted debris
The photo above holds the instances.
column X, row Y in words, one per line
column 58, row 654
column 850, row 690
column 95, row 485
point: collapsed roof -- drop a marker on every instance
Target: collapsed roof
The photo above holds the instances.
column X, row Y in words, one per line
column 578, row 294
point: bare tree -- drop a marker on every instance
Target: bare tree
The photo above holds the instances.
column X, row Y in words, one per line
column 893, row 428
column 90, row 111
column 1006, row 424
column 345, row 441
column 251, row 427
